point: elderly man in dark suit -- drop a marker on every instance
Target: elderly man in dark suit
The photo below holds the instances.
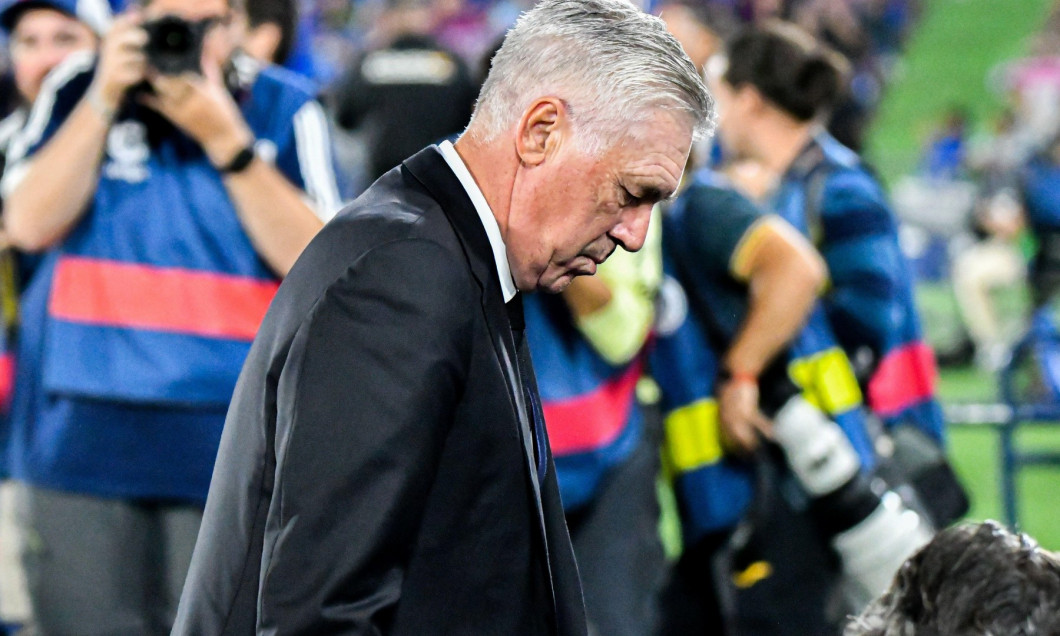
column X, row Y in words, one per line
column 384, row 468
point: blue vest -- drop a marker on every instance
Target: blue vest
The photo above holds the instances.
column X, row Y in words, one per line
column 589, row 405
column 829, row 196
column 136, row 325
column 714, row 490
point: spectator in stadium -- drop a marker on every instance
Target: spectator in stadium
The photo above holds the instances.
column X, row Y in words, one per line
column 588, row 346
column 944, row 157
column 385, row 466
column 1039, row 191
column 776, row 84
column 407, row 92
column 993, row 261
column 272, row 29
column 278, row 34
column 755, row 359
column 39, row 36
column 164, row 217
column 699, row 28
column 970, row 579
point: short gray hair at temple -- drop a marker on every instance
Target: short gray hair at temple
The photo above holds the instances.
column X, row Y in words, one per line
column 610, row 63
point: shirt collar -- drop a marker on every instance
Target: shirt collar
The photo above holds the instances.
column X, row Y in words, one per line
column 485, row 214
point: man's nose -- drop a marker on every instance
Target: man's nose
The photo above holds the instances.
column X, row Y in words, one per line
column 632, row 228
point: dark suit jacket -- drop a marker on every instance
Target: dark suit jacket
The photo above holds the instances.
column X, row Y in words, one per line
column 377, row 473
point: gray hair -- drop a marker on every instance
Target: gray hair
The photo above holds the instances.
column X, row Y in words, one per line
column 974, row 579
column 610, row 63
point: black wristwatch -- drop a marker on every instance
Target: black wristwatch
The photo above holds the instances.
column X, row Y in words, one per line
column 240, row 162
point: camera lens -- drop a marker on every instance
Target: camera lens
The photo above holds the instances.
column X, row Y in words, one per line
column 174, row 45
column 176, row 40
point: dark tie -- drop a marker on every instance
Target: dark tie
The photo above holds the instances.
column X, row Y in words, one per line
column 533, row 403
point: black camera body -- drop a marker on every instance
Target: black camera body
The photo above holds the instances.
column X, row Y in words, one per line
column 174, row 45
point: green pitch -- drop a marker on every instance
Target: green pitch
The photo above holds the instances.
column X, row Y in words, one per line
column 948, row 61
column 949, row 56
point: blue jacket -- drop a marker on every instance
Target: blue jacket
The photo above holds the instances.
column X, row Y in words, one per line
column 589, row 404
column 832, row 198
column 702, row 235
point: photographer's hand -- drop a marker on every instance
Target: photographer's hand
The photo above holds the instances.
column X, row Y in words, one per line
column 740, row 422
column 202, row 107
column 122, row 64
column 273, row 212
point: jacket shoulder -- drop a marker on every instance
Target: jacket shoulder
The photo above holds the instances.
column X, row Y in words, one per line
column 391, row 210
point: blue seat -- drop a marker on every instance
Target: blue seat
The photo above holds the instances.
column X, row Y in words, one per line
column 1030, row 387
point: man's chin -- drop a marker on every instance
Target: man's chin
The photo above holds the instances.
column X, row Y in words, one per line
column 559, row 283
column 556, row 287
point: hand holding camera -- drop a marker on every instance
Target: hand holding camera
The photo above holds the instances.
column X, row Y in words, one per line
column 202, row 107
column 122, row 62
column 180, row 60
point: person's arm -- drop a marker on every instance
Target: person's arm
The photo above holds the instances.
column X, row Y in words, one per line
column 367, row 394
column 784, row 275
column 55, row 185
column 272, row 211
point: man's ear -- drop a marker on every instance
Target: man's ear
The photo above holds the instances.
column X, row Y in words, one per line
column 540, row 130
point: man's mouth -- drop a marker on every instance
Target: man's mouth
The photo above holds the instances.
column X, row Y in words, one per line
column 601, row 257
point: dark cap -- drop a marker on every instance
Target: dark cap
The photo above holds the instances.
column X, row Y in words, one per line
column 94, row 13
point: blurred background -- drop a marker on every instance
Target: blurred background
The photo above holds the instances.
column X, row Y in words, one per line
column 949, row 99
column 954, row 104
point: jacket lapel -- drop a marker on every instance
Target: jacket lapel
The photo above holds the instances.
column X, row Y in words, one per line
column 429, row 168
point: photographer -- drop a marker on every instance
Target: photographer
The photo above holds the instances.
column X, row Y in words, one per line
column 40, row 34
column 166, row 186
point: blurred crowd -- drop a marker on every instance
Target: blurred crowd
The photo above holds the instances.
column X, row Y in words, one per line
column 329, row 35
column 979, row 210
column 766, row 338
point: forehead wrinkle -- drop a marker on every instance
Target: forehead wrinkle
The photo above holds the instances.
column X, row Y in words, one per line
column 654, row 180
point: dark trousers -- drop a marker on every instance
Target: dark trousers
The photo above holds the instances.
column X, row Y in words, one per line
column 689, row 604
column 100, row 567
column 616, row 542
column 713, row 589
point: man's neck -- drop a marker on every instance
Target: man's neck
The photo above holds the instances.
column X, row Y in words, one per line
column 493, row 173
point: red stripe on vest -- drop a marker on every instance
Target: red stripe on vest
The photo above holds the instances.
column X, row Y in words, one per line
column 7, row 380
column 905, row 377
column 114, row 294
column 591, row 421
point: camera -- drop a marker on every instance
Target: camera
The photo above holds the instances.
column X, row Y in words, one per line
column 174, row 45
column 872, row 532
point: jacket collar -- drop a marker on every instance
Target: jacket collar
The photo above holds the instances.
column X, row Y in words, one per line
column 429, row 168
